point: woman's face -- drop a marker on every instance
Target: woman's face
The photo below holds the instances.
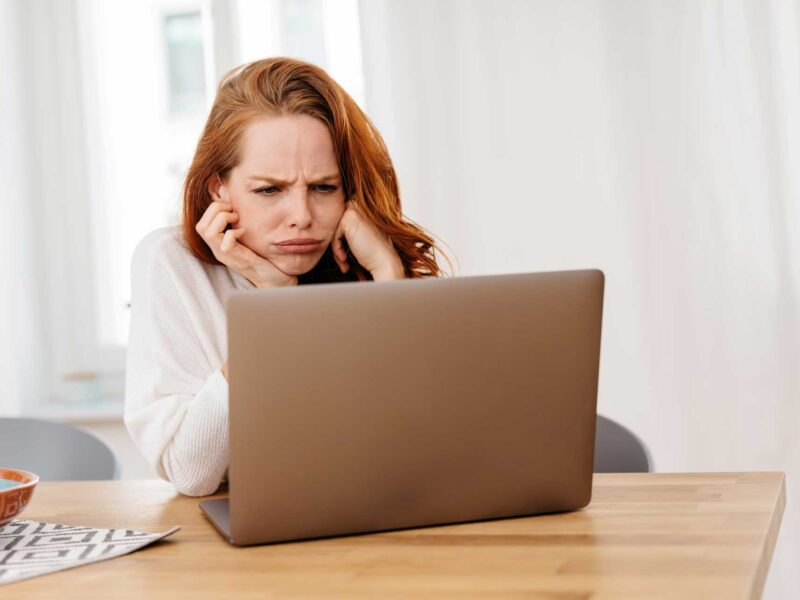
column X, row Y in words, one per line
column 287, row 186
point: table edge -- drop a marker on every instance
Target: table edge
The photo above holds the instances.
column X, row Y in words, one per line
column 770, row 539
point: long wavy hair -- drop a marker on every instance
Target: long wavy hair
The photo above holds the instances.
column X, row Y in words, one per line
column 280, row 85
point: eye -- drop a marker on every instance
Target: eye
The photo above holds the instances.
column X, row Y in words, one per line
column 268, row 191
column 325, row 188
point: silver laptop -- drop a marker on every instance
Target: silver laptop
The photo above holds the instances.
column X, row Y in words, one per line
column 363, row 407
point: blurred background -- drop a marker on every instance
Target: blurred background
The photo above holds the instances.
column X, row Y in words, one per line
column 656, row 140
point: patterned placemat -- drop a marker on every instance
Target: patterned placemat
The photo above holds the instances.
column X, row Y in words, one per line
column 29, row 548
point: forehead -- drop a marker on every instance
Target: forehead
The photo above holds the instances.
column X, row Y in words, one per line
column 287, row 142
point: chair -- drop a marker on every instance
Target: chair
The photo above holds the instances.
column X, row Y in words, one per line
column 618, row 450
column 55, row 451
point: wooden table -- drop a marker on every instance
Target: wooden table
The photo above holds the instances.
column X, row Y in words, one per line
column 643, row 536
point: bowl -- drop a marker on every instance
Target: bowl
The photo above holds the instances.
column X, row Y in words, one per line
column 14, row 500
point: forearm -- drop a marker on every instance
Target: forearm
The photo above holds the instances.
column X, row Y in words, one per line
column 197, row 455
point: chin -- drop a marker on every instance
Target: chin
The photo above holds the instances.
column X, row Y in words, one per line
column 298, row 264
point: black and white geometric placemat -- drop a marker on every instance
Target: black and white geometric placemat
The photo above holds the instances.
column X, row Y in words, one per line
column 29, row 548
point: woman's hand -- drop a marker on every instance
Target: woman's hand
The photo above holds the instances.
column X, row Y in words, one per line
column 227, row 249
column 372, row 249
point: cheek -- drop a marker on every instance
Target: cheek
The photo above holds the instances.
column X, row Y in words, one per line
column 331, row 214
column 256, row 215
column 260, row 221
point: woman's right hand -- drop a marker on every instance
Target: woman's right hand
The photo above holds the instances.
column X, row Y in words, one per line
column 229, row 251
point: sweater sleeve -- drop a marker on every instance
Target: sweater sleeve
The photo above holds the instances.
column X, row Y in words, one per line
column 176, row 397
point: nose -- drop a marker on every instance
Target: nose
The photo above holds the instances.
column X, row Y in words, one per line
column 299, row 214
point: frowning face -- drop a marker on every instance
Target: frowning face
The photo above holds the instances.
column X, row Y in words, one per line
column 287, row 190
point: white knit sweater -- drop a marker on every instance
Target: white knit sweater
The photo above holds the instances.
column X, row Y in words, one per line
column 176, row 398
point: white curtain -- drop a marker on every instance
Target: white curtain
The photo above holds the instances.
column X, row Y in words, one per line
column 21, row 370
column 656, row 140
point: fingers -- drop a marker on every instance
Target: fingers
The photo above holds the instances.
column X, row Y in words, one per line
column 337, row 249
column 223, row 244
column 221, row 221
column 213, row 223
column 229, row 239
column 213, row 209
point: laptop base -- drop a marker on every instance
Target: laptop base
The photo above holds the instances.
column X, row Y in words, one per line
column 218, row 513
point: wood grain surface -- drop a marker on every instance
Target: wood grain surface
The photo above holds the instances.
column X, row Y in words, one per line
column 698, row 535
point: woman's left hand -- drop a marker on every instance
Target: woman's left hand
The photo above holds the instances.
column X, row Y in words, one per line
column 371, row 248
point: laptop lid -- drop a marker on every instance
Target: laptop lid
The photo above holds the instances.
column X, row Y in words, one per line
column 367, row 406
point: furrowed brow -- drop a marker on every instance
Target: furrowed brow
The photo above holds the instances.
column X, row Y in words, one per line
column 330, row 178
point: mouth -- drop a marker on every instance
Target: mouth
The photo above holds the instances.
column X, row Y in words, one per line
column 298, row 246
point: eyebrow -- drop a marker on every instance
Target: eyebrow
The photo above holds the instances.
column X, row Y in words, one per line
column 275, row 181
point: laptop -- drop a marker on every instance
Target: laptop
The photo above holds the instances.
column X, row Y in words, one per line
column 362, row 407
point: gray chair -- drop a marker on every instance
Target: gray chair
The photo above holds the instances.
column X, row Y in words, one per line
column 55, row 451
column 618, row 450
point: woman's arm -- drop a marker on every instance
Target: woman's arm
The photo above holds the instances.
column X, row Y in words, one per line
column 372, row 249
column 176, row 397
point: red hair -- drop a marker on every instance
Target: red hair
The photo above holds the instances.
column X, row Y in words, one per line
column 276, row 86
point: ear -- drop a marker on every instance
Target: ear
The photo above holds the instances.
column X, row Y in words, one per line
column 216, row 188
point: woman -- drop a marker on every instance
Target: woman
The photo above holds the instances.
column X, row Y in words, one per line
column 290, row 184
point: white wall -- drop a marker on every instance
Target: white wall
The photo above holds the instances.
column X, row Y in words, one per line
column 658, row 141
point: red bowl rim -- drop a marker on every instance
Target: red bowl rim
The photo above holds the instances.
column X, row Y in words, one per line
column 34, row 479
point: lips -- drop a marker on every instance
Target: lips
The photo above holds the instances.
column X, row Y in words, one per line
column 298, row 245
column 298, row 242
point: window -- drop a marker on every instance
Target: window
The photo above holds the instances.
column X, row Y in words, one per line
column 183, row 35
